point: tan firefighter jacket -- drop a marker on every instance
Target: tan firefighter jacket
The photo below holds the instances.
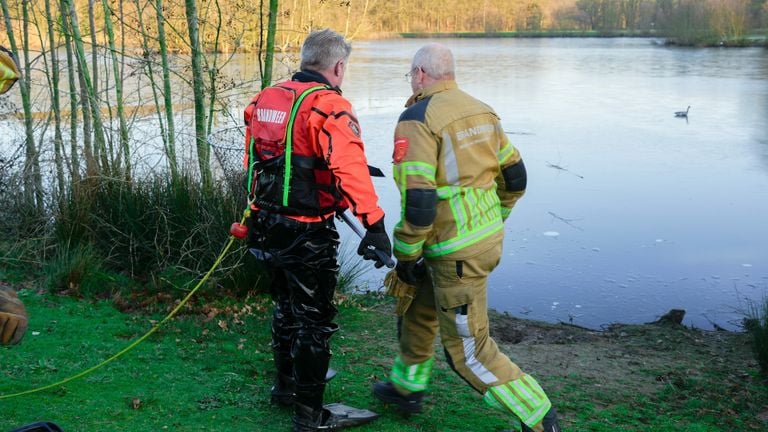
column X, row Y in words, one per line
column 448, row 142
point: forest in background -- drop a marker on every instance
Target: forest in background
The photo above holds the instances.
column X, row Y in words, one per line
column 229, row 25
column 72, row 200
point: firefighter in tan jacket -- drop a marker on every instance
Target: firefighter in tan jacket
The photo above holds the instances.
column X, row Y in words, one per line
column 13, row 316
column 459, row 177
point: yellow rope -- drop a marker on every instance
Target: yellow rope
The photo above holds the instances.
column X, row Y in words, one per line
column 137, row 341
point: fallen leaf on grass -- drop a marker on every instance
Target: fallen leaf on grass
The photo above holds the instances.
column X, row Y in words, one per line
column 763, row 415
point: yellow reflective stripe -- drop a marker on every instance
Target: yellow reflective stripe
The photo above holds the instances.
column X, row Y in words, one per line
column 396, row 169
column 483, row 220
column 408, row 248
column 460, row 242
column 506, row 152
column 527, row 382
column 505, row 212
column 414, row 377
column 459, row 214
column 419, row 168
column 490, row 207
column 446, row 192
column 398, row 173
column 524, row 397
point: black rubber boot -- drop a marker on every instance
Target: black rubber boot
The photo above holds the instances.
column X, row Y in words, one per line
column 387, row 393
column 330, row 417
column 549, row 422
column 39, row 427
column 283, row 392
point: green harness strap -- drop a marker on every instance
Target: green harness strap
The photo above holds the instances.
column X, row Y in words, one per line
column 288, row 145
column 289, row 140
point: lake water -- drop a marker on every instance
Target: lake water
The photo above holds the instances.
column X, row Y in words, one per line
column 630, row 211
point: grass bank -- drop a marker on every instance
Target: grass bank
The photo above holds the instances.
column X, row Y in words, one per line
column 534, row 34
column 704, row 40
column 210, row 370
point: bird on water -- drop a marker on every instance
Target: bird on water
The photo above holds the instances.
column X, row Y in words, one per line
column 683, row 113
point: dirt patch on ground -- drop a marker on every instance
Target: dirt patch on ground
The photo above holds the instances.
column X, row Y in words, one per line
column 622, row 358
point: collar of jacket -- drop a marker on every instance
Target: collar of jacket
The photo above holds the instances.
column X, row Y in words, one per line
column 437, row 87
column 312, row 76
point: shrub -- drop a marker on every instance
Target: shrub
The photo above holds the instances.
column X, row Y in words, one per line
column 756, row 324
column 80, row 272
column 148, row 229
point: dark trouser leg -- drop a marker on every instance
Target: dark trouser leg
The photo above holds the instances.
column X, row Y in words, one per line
column 302, row 259
column 284, row 328
column 313, row 283
column 304, row 255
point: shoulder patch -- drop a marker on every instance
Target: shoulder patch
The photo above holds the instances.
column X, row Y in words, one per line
column 354, row 128
column 401, row 148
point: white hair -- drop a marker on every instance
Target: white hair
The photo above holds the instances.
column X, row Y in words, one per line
column 436, row 60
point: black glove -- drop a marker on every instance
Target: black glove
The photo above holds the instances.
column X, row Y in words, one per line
column 411, row 272
column 375, row 239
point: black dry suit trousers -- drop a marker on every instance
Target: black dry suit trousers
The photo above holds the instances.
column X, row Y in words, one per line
column 301, row 259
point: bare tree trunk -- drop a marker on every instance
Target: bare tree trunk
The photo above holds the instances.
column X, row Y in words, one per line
column 150, row 71
column 33, row 194
column 170, row 149
column 98, row 127
column 73, row 125
column 266, row 78
column 261, row 40
column 94, row 46
column 361, row 21
column 32, row 151
column 124, row 148
column 213, row 70
column 106, row 152
column 91, row 153
column 56, row 101
column 346, row 21
column 203, row 152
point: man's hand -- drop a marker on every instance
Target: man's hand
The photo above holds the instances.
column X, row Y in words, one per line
column 411, row 272
column 375, row 239
column 13, row 317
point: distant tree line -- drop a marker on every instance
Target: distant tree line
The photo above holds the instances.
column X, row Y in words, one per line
column 237, row 25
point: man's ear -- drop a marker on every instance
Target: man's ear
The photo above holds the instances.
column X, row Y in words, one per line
column 338, row 70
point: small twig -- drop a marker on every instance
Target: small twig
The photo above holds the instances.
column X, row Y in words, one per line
column 518, row 133
column 566, row 221
column 551, row 165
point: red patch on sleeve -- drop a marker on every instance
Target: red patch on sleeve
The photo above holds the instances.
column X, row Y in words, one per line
column 401, row 148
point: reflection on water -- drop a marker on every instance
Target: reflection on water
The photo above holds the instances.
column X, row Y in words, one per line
column 630, row 211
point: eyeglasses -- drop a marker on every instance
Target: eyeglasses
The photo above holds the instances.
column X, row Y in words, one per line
column 410, row 74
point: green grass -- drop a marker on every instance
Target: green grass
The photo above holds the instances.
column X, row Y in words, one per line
column 211, row 369
column 756, row 323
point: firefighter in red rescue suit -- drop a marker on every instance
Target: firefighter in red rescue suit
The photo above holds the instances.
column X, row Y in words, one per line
column 13, row 316
column 459, row 177
column 305, row 161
